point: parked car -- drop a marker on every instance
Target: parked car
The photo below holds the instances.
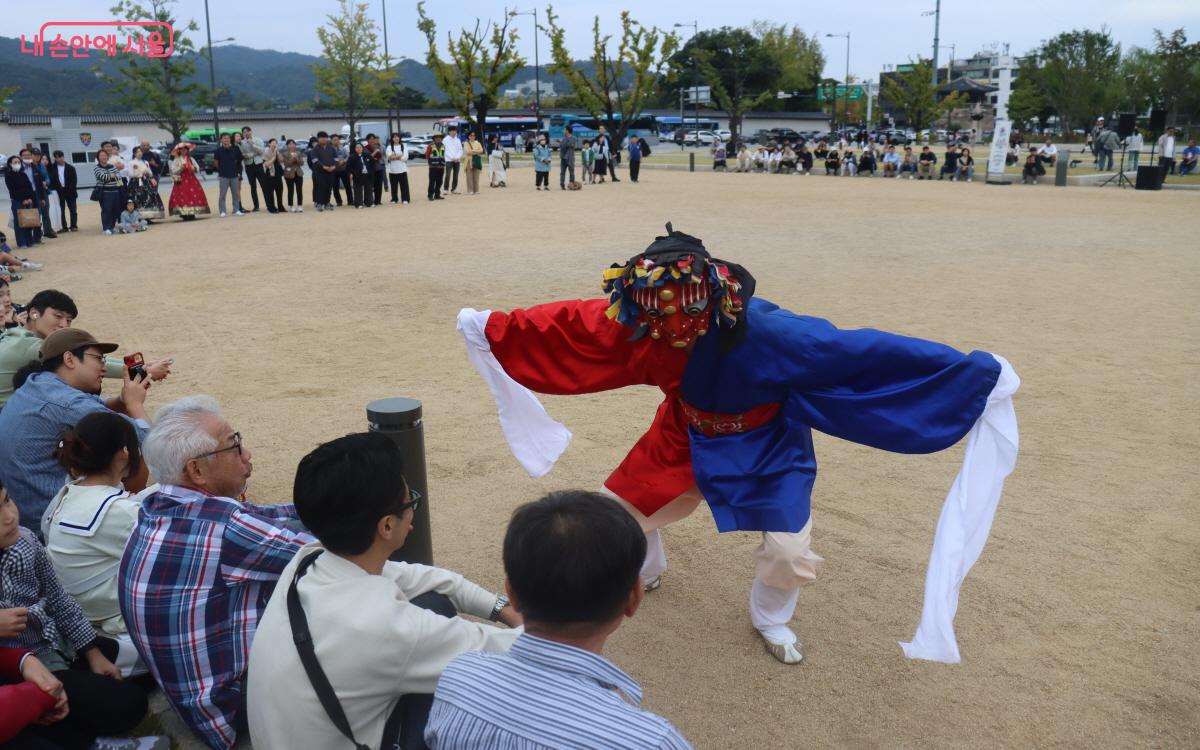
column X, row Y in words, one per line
column 203, row 154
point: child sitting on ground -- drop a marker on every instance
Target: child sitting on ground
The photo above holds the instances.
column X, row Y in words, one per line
column 131, row 220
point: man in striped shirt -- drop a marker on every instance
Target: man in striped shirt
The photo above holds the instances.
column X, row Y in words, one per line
column 572, row 562
column 200, row 567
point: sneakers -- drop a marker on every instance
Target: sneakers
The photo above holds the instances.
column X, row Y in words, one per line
column 299, row 209
column 222, row 214
column 108, row 232
column 29, row 265
column 157, row 742
column 788, row 653
column 240, row 213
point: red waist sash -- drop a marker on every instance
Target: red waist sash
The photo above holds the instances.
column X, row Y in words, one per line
column 712, row 424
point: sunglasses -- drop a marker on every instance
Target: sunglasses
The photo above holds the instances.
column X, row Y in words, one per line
column 414, row 502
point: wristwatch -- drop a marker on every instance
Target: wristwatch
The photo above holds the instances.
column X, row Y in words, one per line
column 501, row 603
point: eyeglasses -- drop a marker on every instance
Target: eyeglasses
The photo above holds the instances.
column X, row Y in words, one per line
column 414, row 502
column 100, row 357
column 237, row 446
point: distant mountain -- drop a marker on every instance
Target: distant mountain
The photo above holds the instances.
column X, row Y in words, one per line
column 249, row 75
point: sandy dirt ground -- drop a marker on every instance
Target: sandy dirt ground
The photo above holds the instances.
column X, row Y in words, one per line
column 1078, row 627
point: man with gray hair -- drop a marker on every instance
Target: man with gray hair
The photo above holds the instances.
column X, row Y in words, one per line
column 200, row 566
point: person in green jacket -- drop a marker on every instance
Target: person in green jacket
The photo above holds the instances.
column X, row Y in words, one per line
column 47, row 312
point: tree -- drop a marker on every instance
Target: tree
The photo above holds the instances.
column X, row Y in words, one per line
column 799, row 57
column 914, row 94
column 642, row 53
column 158, row 86
column 1167, row 76
column 407, row 97
column 476, row 69
column 740, row 72
column 6, row 95
column 1078, row 72
column 352, row 75
column 1027, row 103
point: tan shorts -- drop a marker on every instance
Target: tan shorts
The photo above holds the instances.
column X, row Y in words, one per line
column 783, row 560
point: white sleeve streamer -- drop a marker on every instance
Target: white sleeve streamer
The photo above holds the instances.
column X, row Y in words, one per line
column 536, row 440
column 966, row 519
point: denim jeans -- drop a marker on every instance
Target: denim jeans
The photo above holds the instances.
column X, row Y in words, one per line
column 1131, row 158
column 565, row 165
column 229, row 184
column 1103, row 154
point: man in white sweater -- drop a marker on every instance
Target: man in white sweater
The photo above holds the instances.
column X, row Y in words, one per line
column 454, row 157
column 369, row 622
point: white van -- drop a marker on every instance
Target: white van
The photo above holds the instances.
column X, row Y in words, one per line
column 363, row 129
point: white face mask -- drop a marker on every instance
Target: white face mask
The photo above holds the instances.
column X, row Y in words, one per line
column 27, row 161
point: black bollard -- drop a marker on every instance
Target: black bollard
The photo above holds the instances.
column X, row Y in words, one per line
column 400, row 420
column 1060, row 167
column 692, row 161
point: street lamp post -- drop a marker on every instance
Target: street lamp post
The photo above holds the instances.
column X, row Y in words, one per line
column 937, row 22
column 387, row 65
column 695, row 94
column 847, row 108
column 212, row 75
column 537, row 67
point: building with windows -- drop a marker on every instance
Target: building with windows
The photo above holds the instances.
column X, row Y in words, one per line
column 975, row 76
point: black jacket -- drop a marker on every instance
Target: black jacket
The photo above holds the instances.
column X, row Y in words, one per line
column 67, row 190
column 229, row 161
column 19, row 189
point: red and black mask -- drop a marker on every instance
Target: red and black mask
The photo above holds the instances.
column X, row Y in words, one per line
column 675, row 313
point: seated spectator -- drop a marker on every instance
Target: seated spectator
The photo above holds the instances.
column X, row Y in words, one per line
column 833, row 162
column 925, row 163
column 52, row 400
column 1048, row 153
column 966, row 166
column 12, row 263
column 804, row 157
column 821, row 151
column 200, row 566
column 787, row 160
column 89, row 521
column 761, row 159
column 718, row 155
column 1187, row 164
column 572, row 562
column 36, row 615
column 1033, row 167
column 774, row 160
column 950, row 165
column 49, row 311
column 867, row 162
column 743, row 158
column 908, row 163
column 29, row 695
column 131, row 220
column 849, row 163
column 384, row 630
column 891, row 162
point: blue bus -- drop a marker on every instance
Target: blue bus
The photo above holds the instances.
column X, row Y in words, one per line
column 586, row 126
column 507, row 128
column 668, row 124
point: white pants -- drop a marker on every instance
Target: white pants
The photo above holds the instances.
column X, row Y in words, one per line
column 782, row 563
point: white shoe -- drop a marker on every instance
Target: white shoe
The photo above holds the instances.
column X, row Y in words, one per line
column 108, row 231
column 239, row 213
column 29, row 265
column 222, row 214
column 788, row 653
column 653, row 584
column 970, row 179
column 299, row 209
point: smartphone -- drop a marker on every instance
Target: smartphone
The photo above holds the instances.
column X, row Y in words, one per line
column 136, row 365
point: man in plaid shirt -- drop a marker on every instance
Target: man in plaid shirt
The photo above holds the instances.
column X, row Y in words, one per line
column 200, row 567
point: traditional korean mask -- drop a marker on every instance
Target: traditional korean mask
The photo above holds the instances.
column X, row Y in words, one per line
column 676, row 313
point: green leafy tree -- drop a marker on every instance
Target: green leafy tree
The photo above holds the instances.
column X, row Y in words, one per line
column 799, row 57
column 481, row 61
column 1027, row 104
column 406, row 97
column 352, row 75
column 740, row 71
column 914, row 94
column 158, row 86
column 6, row 94
column 1167, row 76
column 1078, row 73
column 641, row 54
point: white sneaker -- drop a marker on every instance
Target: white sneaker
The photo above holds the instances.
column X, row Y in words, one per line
column 157, row 742
column 222, row 214
column 299, row 209
column 109, row 231
column 970, row 179
column 239, row 213
column 29, row 265
column 788, row 653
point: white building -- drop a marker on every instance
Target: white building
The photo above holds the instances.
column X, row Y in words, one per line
column 528, row 88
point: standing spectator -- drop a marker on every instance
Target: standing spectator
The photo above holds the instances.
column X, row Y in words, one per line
column 360, row 170
column 566, row 157
column 351, row 493
column 926, row 163
column 718, row 155
column 572, row 563
column 272, row 177
column 293, row 174
column 53, row 206
column 200, row 566
column 341, row 176
column 40, row 166
column 1093, row 140
column 612, row 152
column 21, row 181
column 153, row 160
column 541, row 163
column 228, row 159
column 1188, row 164
column 1166, row 147
column 108, row 182
column 1134, row 145
column 187, row 196
column 397, row 168
column 324, row 157
column 473, row 156
column 454, row 155
column 252, row 158
column 497, row 172
column 374, row 153
column 141, row 185
column 600, row 162
column 64, row 182
column 635, row 157
column 966, row 165
column 1106, row 144
column 435, row 159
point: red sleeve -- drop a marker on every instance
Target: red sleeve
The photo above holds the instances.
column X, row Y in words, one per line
column 20, row 706
column 566, row 348
column 10, row 663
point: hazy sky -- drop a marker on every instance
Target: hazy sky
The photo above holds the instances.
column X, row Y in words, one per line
column 881, row 32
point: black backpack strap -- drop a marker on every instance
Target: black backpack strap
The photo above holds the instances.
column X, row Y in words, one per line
column 316, row 676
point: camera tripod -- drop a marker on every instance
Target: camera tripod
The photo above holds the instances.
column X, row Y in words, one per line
column 1120, row 177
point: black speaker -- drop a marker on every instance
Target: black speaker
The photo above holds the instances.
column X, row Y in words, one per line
column 1126, row 122
column 1158, row 120
column 1149, row 178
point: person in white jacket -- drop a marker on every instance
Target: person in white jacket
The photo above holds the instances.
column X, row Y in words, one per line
column 380, row 631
